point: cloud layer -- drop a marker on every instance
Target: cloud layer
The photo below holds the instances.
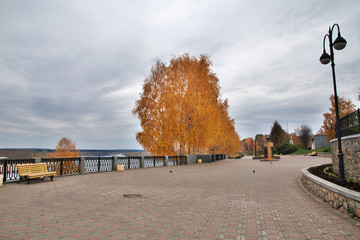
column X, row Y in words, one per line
column 75, row 68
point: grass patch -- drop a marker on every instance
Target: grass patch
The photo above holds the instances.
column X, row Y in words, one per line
column 301, row 152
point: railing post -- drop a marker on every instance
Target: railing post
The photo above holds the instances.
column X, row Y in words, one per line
column 166, row 161
column 187, row 160
column 129, row 162
column 5, row 171
column 358, row 117
column 99, row 162
column 142, row 162
column 61, row 166
column 115, row 163
column 347, row 125
column 154, row 162
column 82, row 165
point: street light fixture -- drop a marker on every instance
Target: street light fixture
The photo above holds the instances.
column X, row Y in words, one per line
column 325, row 58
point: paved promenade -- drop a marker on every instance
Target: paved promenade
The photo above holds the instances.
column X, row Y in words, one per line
column 221, row 200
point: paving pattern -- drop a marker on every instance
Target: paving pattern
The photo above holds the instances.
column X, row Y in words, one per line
column 220, row 200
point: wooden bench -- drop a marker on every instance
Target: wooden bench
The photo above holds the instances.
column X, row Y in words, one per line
column 34, row 170
column 313, row 154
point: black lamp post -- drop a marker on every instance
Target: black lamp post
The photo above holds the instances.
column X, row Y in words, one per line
column 255, row 145
column 325, row 58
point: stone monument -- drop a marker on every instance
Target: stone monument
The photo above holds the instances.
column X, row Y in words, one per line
column 268, row 155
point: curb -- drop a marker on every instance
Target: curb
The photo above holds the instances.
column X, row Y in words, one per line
column 338, row 197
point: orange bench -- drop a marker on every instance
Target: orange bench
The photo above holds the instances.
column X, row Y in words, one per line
column 34, row 170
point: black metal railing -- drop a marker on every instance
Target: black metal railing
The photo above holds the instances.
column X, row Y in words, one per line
column 98, row 164
column 68, row 166
column 176, row 160
column 62, row 166
column 8, row 168
column 350, row 124
column 154, row 161
column 217, row 157
column 130, row 162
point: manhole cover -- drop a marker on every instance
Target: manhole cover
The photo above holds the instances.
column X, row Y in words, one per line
column 132, row 195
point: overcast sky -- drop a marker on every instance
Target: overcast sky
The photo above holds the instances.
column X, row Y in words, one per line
column 75, row 68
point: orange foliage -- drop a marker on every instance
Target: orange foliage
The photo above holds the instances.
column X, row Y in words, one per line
column 181, row 112
column 242, row 147
column 66, row 148
column 345, row 107
column 249, row 144
column 260, row 140
column 294, row 139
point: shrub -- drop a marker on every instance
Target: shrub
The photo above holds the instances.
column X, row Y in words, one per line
column 285, row 148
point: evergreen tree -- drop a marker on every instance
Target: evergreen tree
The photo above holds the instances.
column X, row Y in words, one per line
column 278, row 134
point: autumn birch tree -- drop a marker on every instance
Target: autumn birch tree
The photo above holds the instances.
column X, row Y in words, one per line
column 181, row 111
column 65, row 148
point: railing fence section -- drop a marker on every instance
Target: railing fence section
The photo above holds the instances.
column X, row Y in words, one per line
column 217, row 157
column 350, row 124
column 62, row 166
column 98, row 164
column 176, row 160
column 80, row 165
column 154, row 161
column 130, row 162
column 8, row 168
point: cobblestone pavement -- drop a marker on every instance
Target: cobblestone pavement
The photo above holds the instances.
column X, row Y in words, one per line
column 220, row 200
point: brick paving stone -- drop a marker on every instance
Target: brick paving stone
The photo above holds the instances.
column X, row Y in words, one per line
column 220, row 200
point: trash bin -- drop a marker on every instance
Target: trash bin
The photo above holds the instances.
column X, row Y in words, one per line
column 120, row 167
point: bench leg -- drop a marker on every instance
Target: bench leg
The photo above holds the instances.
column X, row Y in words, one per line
column 28, row 180
column 51, row 178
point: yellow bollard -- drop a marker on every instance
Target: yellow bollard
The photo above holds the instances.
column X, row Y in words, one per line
column 199, row 160
column 120, row 167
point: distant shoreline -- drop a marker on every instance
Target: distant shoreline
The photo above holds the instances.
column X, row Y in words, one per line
column 19, row 153
column 85, row 150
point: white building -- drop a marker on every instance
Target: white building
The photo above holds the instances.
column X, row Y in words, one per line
column 319, row 141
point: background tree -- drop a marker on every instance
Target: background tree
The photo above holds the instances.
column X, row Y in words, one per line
column 260, row 140
column 242, row 147
column 65, row 148
column 278, row 134
column 294, row 139
column 305, row 134
column 345, row 107
column 181, row 111
column 249, row 145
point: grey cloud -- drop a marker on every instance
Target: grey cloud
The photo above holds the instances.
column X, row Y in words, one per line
column 75, row 68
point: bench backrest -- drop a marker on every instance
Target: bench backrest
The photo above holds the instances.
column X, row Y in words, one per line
column 24, row 169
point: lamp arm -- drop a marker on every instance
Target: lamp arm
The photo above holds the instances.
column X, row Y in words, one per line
column 326, row 35
column 338, row 27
